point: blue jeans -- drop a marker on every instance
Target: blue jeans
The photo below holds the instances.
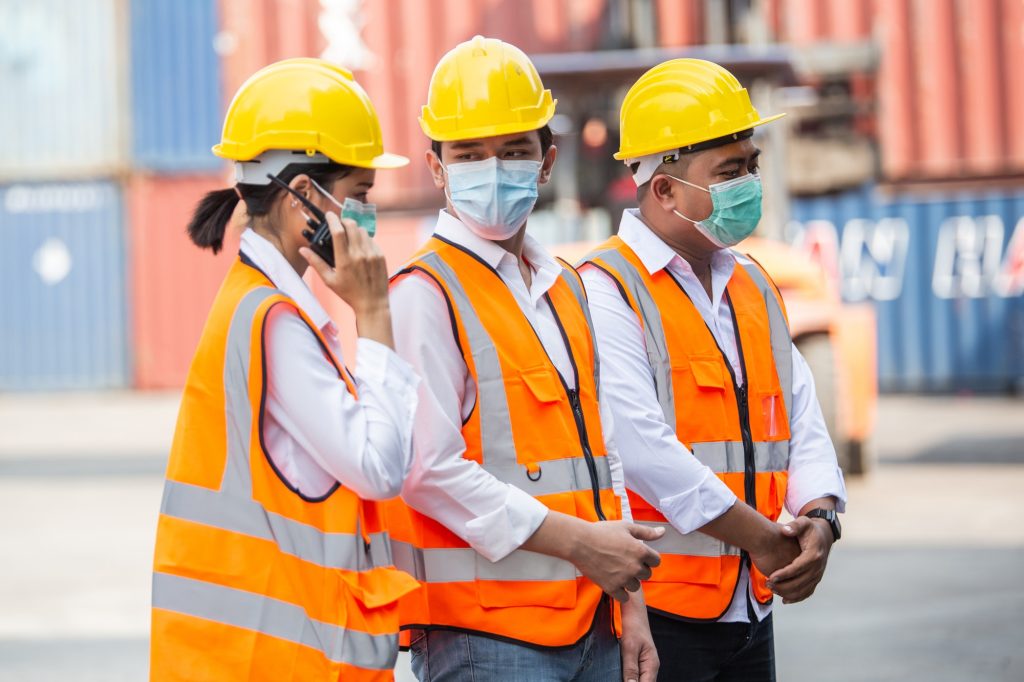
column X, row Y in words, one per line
column 450, row 656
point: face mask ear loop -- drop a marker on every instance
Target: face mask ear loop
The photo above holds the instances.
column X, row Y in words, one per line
column 327, row 194
column 691, row 185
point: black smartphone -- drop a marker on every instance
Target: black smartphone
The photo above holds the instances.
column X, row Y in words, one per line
column 319, row 232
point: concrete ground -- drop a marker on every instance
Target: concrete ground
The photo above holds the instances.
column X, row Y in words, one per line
column 924, row 585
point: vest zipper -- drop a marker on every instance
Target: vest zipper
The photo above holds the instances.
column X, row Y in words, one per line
column 581, row 427
column 743, row 407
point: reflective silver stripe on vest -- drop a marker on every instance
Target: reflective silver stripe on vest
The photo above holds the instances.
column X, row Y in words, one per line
column 275, row 618
column 248, row 517
column 781, row 340
column 581, row 297
column 455, row 565
column 657, row 344
column 499, row 458
column 497, row 444
column 232, row 508
column 727, row 456
column 689, row 544
column 654, row 332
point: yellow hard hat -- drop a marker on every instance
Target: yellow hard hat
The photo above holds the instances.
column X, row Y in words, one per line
column 483, row 88
column 683, row 102
column 305, row 105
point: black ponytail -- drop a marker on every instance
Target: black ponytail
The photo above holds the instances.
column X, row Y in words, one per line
column 211, row 218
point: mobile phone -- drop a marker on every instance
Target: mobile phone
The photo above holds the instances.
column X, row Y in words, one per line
column 319, row 232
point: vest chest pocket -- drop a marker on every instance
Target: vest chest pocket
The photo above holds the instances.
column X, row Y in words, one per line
column 701, row 389
column 543, row 384
column 542, row 420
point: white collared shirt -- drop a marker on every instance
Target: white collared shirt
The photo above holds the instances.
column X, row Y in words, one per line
column 493, row 517
column 656, row 464
column 316, row 432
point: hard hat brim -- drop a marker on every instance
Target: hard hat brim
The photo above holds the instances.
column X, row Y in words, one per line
column 637, row 153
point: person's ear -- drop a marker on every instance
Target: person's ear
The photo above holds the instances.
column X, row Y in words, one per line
column 662, row 191
column 301, row 184
column 547, row 164
column 435, row 167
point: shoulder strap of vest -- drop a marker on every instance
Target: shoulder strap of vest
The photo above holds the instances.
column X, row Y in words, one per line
column 778, row 324
column 635, row 293
column 575, row 282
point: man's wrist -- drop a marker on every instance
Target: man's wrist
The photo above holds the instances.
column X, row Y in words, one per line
column 825, row 528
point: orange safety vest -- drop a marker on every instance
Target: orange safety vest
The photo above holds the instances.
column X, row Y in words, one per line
column 740, row 431
column 252, row 580
column 528, row 429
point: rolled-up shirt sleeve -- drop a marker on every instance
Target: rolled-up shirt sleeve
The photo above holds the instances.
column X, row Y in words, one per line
column 364, row 443
column 656, row 465
column 813, row 469
column 493, row 517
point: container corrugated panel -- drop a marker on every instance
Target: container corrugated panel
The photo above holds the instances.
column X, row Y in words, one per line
column 63, row 101
column 946, row 274
column 255, row 33
column 176, row 84
column 62, row 274
column 172, row 282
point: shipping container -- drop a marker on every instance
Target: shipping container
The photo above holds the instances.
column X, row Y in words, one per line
column 945, row 271
column 171, row 282
column 64, row 104
column 177, row 101
column 62, row 274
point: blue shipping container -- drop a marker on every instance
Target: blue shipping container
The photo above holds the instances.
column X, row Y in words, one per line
column 63, row 101
column 62, row 274
column 177, row 100
column 946, row 274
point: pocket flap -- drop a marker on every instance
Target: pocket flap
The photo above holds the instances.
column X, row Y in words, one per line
column 378, row 587
column 543, row 384
column 708, row 373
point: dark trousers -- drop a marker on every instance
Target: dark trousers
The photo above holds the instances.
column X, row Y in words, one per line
column 714, row 652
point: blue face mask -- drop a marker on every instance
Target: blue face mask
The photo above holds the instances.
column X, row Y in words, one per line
column 493, row 197
column 736, row 213
column 364, row 215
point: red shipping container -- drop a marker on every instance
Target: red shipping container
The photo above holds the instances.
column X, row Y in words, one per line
column 897, row 91
column 171, row 282
column 982, row 95
column 680, row 23
column 1012, row 19
column 939, row 97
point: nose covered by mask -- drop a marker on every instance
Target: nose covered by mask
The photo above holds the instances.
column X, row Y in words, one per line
column 493, row 197
column 364, row 215
column 736, row 213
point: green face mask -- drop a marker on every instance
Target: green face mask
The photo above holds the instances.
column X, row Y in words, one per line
column 736, row 213
column 364, row 215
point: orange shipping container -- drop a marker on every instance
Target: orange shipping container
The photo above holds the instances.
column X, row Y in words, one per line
column 171, row 282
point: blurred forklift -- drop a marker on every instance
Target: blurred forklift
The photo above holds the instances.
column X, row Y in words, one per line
column 824, row 145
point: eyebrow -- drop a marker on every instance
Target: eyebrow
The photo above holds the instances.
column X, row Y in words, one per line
column 466, row 144
column 739, row 160
column 518, row 142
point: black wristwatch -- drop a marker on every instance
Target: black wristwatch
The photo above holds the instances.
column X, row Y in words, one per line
column 831, row 516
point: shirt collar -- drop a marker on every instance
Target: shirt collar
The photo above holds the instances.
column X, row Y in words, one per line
column 656, row 255
column 274, row 265
column 539, row 259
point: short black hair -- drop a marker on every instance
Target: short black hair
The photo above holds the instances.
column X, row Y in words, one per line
column 547, row 138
